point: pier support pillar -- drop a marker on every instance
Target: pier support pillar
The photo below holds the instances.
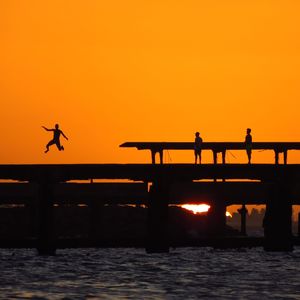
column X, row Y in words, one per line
column 161, row 155
column 96, row 211
column 223, row 157
column 216, row 219
column 157, row 222
column 299, row 224
column 243, row 212
column 276, row 157
column 278, row 220
column 46, row 242
column 215, row 157
column 285, row 157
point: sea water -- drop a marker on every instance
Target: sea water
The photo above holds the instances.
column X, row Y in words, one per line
column 129, row 273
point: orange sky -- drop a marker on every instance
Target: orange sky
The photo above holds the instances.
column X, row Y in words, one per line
column 116, row 71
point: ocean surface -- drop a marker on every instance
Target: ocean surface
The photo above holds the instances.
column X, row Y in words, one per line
column 128, row 273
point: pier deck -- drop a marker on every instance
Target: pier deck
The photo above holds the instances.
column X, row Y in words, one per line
column 149, row 172
column 215, row 147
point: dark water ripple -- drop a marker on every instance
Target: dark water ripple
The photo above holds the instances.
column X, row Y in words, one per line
column 184, row 273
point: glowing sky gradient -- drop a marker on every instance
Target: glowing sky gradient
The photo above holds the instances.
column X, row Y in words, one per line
column 116, row 71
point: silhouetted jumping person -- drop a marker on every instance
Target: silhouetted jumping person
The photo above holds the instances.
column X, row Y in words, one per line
column 198, row 147
column 248, row 144
column 56, row 135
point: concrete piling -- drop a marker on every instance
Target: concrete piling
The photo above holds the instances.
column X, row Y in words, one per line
column 157, row 238
column 278, row 220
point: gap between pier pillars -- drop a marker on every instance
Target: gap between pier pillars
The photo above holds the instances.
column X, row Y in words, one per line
column 157, row 220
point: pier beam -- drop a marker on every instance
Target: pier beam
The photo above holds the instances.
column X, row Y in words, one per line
column 45, row 242
column 157, row 222
column 278, row 220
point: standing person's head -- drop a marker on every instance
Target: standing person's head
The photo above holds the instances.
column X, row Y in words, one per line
column 197, row 134
column 248, row 130
column 56, row 126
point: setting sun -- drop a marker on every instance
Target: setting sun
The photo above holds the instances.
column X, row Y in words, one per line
column 196, row 208
column 200, row 208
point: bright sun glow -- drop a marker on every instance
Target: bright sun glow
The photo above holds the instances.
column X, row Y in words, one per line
column 196, row 208
column 228, row 214
column 201, row 208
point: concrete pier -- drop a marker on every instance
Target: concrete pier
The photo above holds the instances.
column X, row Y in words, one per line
column 49, row 185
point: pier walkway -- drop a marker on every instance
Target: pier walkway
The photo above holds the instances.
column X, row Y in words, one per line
column 149, row 172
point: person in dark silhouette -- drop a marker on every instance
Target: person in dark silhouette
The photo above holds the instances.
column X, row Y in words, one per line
column 198, row 147
column 248, row 144
column 56, row 135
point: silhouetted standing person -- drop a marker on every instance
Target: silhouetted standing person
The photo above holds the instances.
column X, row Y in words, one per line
column 248, row 144
column 56, row 135
column 198, row 147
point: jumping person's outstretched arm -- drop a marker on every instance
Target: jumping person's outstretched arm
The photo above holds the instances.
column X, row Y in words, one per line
column 47, row 129
column 64, row 135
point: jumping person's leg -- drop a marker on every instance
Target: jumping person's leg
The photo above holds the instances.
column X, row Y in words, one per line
column 48, row 145
column 59, row 147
